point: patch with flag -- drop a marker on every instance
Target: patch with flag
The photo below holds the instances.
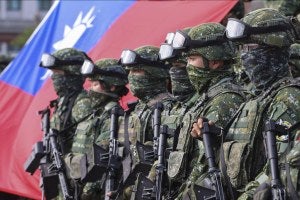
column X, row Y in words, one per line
column 100, row 28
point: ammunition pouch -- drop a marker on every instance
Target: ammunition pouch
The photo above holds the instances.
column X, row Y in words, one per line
column 236, row 170
column 177, row 165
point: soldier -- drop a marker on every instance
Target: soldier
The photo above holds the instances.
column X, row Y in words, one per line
column 148, row 78
column 181, row 87
column 266, row 42
column 294, row 61
column 73, row 102
column 209, row 58
column 108, row 80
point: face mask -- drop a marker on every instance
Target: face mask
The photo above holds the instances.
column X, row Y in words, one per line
column 64, row 84
column 181, row 85
column 202, row 78
column 146, row 87
column 265, row 65
column 97, row 97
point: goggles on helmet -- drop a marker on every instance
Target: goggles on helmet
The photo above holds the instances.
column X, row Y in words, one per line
column 51, row 62
column 237, row 29
column 129, row 57
column 169, row 38
column 166, row 51
column 183, row 41
column 89, row 69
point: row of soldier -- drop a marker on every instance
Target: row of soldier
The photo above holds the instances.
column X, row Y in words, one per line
column 209, row 138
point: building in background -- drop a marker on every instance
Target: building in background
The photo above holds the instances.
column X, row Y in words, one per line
column 17, row 16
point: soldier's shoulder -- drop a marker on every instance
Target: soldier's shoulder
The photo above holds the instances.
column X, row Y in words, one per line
column 230, row 97
column 288, row 94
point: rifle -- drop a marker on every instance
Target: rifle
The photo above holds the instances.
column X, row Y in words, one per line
column 46, row 156
column 271, row 130
column 57, row 165
column 214, row 188
column 114, row 162
column 158, row 108
column 147, row 153
column 147, row 189
column 161, row 165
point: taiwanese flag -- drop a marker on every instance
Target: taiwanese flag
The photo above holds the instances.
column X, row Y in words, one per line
column 100, row 28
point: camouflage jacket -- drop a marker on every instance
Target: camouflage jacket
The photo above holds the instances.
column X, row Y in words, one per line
column 284, row 109
column 219, row 103
column 292, row 158
column 68, row 111
column 244, row 149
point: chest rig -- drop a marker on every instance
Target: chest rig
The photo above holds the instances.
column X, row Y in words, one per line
column 244, row 149
column 186, row 150
column 88, row 130
column 62, row 118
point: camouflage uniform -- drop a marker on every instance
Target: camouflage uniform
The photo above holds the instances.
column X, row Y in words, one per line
column 150, row 88
column 73, row 102
column 217, row 99
column 96, row 127
column 278, row 100
column 252, row 190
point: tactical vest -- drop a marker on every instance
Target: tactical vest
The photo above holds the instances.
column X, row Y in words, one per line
column 244, row 150
column 180, row 160
column 142, row 117
column 62, row 118
column 88, row 130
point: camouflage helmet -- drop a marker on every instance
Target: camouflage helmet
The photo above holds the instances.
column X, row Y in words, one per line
column 151, row 53
column 210, row 31
column 112, row 66
column 71, row 54
column 265, row 17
